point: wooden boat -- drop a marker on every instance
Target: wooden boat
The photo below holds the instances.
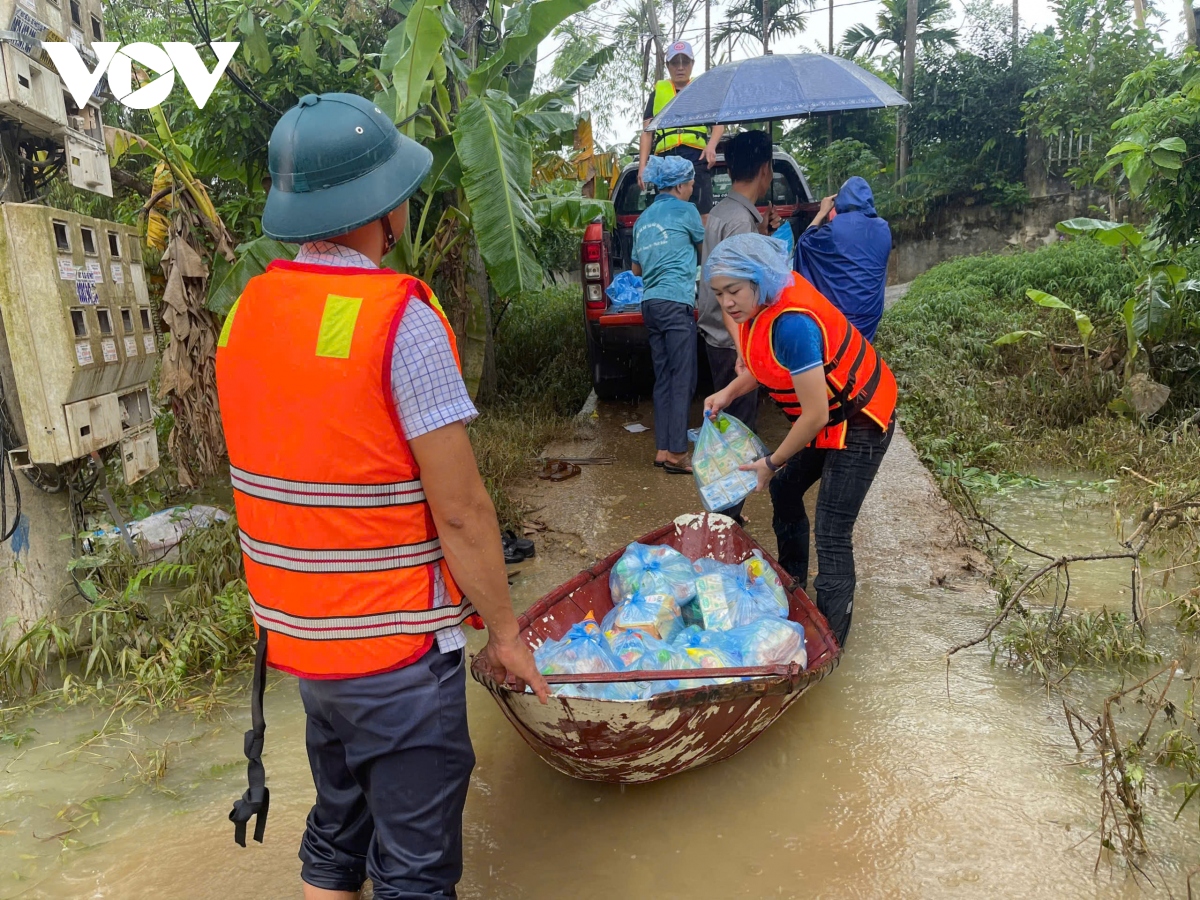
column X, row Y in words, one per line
column 639, row 741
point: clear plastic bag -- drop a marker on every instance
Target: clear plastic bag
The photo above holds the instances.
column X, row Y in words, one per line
column 658, row 569
column 758, row 568
column 724, row 444
column 625, row 291
column 656, row 614
column 770, row 642
column 583, row 650
column 729, row 595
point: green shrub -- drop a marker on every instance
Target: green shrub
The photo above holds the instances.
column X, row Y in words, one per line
column 541, row 356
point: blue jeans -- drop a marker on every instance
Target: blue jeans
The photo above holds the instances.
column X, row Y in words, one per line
column 671, row 328
column 391, row 759
column 845, row 476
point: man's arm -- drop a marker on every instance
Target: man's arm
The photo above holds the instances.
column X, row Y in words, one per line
column 826, row 206
column 645, row 145
column 470, row 535
column 709, row 154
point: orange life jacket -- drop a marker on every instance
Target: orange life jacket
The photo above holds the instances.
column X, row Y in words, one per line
column 856, row 377
column 339, row 543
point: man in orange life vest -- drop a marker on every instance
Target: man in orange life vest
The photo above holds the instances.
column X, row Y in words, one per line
column 367, row 533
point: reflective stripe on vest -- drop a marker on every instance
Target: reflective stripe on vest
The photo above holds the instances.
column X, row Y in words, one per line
column 340, row 628
column 316, row 493
column 856, row 377
column 342, row 557
column 695, row 137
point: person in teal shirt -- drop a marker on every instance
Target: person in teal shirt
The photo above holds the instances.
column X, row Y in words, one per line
column 666, row 242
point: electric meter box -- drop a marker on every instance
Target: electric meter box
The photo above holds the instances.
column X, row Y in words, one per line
column 80, row 335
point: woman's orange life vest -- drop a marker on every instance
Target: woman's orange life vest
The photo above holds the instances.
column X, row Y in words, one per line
column 339, row 544
column 856, row 377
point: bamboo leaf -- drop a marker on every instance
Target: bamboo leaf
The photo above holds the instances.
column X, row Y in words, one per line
column 497, row 168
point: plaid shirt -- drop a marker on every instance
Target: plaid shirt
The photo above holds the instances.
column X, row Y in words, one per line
column 427, row 387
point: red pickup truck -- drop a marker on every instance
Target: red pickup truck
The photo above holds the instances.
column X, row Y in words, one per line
column 618, row 352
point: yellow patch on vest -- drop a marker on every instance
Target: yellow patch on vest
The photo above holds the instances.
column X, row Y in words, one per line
column 337, row 326
column 436, row 303
column 223, row 340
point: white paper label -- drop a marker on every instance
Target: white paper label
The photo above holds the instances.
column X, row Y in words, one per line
column 29, row 5
column 131, row 346
column 109, row 348
column 66, row 268
column 83, row 353
column 148, row 343
column 94, row 272
column 77, row 37
column 118, row 274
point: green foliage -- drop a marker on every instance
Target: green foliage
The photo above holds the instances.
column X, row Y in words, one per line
column 497, row 171
column 743, row 24
column 1052, row 642
column 541, row 359
column 1098, row 46
column 891, row 28
column 1159, row 145
column 229, row 280
column 842, row 159
column 541, row 356
column 965, row 400
column 164, row 633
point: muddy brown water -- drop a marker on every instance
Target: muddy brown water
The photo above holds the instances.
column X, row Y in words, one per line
column 889, row 779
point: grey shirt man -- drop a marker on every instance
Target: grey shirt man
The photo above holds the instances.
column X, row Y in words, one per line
column 733, row 215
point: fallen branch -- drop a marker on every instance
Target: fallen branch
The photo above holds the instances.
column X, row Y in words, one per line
column 1054, row 564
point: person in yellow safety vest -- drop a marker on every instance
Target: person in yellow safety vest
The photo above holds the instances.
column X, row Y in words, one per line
column 693, row 144
column 367, row 532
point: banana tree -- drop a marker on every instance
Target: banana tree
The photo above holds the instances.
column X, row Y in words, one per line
column 177, row 213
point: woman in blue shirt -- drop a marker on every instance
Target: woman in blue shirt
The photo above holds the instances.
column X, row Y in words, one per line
column 666, row 239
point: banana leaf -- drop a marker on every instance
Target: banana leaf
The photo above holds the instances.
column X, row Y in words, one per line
column 497, row 167
column 571, row 212
column 229, row 280
column 420, row 47
column 526, row 26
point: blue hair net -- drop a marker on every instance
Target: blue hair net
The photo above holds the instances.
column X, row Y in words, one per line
column 668, row 171
column 752, row 257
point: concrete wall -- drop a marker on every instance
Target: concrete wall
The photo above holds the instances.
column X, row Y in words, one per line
column 971, row 230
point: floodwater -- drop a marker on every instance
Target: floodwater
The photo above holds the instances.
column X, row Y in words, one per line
column 892, row 778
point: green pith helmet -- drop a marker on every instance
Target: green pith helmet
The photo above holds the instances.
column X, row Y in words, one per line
column 337, row 162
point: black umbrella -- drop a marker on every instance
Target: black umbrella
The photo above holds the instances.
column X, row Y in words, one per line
column 766, row 88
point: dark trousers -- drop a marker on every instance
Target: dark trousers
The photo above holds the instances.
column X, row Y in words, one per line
column 702, row 196
column 845, row 476
column 391, row 760
column 671, row 328
column 722, row 361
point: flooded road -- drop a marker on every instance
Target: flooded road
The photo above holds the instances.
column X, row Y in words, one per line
column 888, row 779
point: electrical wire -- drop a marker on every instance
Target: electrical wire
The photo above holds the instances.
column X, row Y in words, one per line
column 8, row 441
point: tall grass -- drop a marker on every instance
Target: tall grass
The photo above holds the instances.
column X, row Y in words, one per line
column 542, row 380
column 1026, row 406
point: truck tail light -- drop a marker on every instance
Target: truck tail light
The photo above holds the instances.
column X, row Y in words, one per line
column 591, row 251
column 595, row 296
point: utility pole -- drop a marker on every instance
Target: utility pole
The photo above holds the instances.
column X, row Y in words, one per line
column 1139, row 13
column 1189, row 21
column 829, row 116
column 910, row 69
column 1016, row 32
column 707, row 35
column 766, row 9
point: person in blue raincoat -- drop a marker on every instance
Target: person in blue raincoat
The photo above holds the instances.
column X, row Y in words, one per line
column 846, row 257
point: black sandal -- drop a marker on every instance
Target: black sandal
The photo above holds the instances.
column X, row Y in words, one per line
column 672, row 469
column 522, row 545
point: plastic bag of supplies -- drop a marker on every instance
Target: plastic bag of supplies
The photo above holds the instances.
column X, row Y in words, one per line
column 645, row 569
column 724, row 444
column 583, row 650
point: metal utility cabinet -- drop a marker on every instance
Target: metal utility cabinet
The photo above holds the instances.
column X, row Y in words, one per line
column 80, row 337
